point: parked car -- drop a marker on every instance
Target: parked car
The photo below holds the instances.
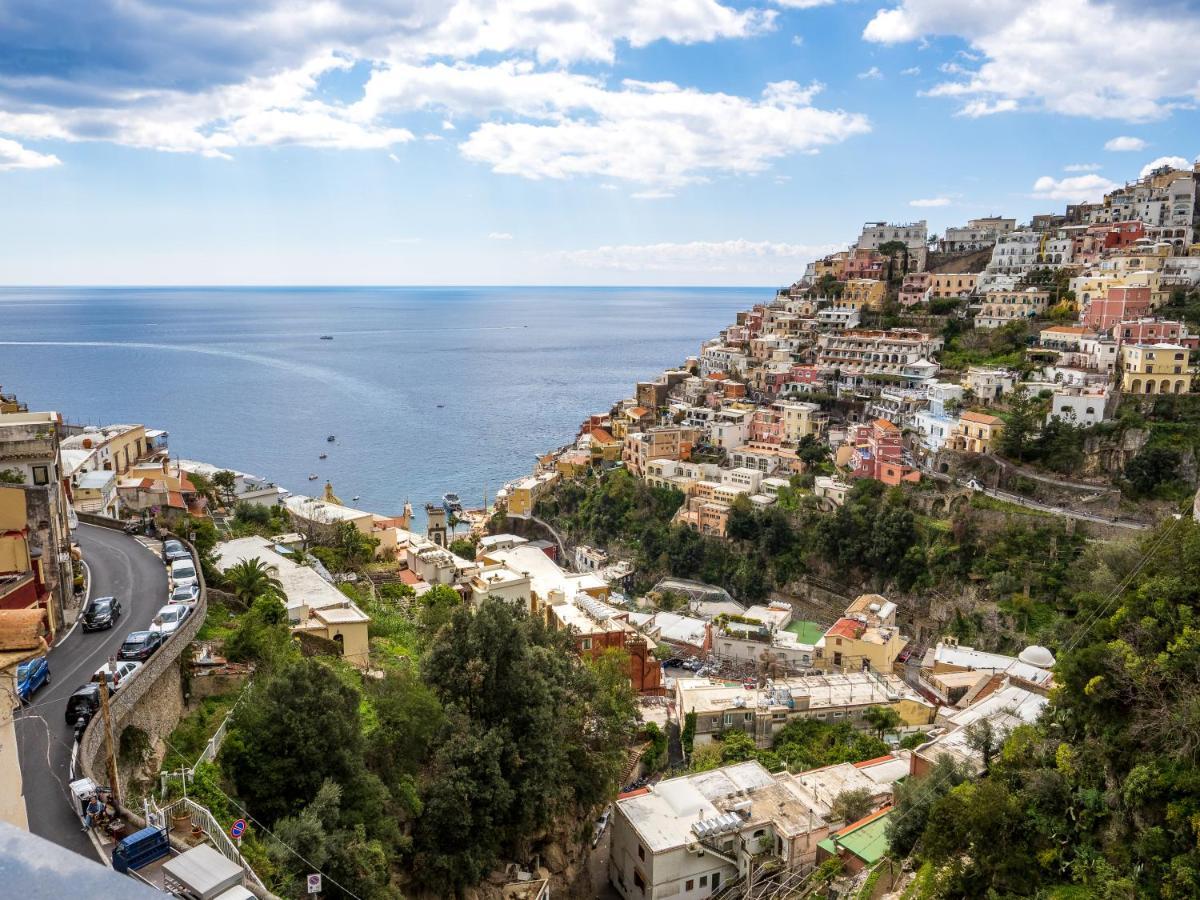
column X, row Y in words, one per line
column 174, row 550
column 102, row 612
column 169, row 618
column 140, row 645
column 601, row 824
column 116, row 673
column 32, row 675
column 183, row 573
column 83, row 703
column 188, row 593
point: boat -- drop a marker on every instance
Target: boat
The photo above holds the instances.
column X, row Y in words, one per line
column 327, row 337
column 323, row 456
column 354, row 499
column 452, row 503
column 331, row 438
column 312, row 476
column 441, row 406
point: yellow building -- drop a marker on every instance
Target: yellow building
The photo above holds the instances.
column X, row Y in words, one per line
column 863, row 293
column 116, row 448
column 865, row 637
column 1155, row 369
column 975, row 432
column 800, row 420
column 952, row 284
column 524, row 495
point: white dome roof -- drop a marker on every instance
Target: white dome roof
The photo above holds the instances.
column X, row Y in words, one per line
column 1037, row 656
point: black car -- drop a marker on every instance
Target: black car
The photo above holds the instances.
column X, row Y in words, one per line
column 140, row 645
column 102, row 612
column 83, row 703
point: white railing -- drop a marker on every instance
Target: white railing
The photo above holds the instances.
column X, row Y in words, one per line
column 204, row 820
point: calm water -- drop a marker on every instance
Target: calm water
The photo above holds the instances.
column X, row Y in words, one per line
column 427, row 389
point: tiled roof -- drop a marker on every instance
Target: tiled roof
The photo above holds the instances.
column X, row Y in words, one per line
column 847, row 628
column 981, row 418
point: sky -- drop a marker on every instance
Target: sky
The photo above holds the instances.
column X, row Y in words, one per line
column 598, row 142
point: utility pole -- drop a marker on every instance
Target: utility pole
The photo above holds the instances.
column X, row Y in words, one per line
column 111, row 756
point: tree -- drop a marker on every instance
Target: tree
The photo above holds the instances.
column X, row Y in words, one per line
column 1019, row 427
column 294, row 729
column 892, row 249
column 851, row 805
column 250, row 579
column 225, row 484
column 355, row 547
column 464, row 547
column 882, row 719
column 436, row 608
column 736, row 746
column 1152, row 468
column 983, row 738
column 915, row 798
column 11, row 476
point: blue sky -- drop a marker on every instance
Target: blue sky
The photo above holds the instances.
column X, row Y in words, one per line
column 543, row 141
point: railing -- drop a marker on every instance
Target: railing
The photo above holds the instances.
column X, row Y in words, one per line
column 204, row 820
column 208, row 754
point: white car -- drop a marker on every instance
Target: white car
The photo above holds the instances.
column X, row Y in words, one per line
column 188, row 593
column 183, row 573
column 169, row 618
column 116, row 673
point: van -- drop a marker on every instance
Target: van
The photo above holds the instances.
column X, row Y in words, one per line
column 183, row 573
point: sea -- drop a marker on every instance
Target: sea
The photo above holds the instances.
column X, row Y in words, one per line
column 426, row 390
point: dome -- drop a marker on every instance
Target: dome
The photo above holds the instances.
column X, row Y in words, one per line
column 1037, row 656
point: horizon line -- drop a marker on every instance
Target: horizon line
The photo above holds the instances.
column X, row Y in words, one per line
column 282, row 285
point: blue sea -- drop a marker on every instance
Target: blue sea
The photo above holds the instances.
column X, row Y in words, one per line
column 427, row 390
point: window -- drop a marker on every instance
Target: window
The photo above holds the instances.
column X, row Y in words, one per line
column 689, row 885
column 641, row 852
column 639, row 881
column 587, row 643
column 703, row 881
column 716, row 880
column 41, row 475
column 728, row 719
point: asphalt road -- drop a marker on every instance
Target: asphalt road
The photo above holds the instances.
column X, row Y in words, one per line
column 120, row 567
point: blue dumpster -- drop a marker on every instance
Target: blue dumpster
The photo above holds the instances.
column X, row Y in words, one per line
column 140, row 848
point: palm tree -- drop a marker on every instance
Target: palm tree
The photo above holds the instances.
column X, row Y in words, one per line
column 251, row 579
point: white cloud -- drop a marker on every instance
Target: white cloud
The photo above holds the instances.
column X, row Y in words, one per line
column 912, row 70
column 211, row 78
column 656, row 134
column 1125, row 144
column 499, row 236
column 1083, row 167
column 652, row 194
column 871, row 73
column 930, row 201
column 1095, row 58
column 430, row 136
column 1075, row 189
column 797, row 40
column 14, row 156
column 1175, row 162
column 803, row 4
column 758, row 257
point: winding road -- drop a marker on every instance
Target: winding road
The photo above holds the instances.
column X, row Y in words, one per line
column 121, row 567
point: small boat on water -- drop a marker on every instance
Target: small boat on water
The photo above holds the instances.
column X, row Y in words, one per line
column 354, row 499
column 312, row 476
column 323, row 456
column 327, row 337
column 331, row 438
column 452, row 503
column 441, row 406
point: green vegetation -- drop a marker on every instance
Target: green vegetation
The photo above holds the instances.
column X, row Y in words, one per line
column 1101, row 797
column 187, row 740
column 1003, row 346
column 250, row 579
column 11, row 476
column 801, row 745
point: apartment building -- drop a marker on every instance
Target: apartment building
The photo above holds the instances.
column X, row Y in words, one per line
column 975, row 432
column 662, row 442
column 868, row 352
column 863, row 293
column 1000, row 307
column 1118, row 303
column 914, row 235
column 30, row 450
column 977, row 234
column 1155, row 369
column 865, row 638
column 952, row 284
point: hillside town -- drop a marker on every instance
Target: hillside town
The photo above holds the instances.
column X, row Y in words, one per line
column 752, row 728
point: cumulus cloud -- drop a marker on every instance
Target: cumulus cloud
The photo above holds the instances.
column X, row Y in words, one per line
column 737, row 255
column 1075, row 189
column 212, row 78
column 1083, row 167
column 1175, row 162
column 1075, row 57
column 912, row 70
column 930, row 201
column 1125, row 144
column 872, row 73
column 14, row 156
column 499, row 236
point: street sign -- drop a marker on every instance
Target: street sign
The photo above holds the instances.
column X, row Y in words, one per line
column 314, row 883
column 237, row 829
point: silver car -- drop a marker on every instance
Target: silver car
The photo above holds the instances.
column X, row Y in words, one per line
column 168, row 619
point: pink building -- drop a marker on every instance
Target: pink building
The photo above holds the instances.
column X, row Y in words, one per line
column 766, row 427
column 865, row 264
column 1117, row 305
column 912, row 291
column 878, row 453
column 1149, row 331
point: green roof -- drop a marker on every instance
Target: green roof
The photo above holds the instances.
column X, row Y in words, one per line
column 805, row 632
column 869, row 841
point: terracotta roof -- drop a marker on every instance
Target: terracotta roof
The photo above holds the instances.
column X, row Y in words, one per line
column 603, row 436
column 847, row 628
column 636, row 793
column 638, row 412
column 175, row 499
column 409, row 577
column 854, row 826
column 875, row 761
column 885, row 425
column 981, row 418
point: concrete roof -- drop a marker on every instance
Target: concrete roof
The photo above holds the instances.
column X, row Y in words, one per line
column 983, row 661
column 301, row 584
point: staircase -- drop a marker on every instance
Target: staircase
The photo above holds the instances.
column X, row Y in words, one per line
column 631, row 762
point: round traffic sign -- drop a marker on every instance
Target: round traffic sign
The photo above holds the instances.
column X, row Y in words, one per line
column 238, row 828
